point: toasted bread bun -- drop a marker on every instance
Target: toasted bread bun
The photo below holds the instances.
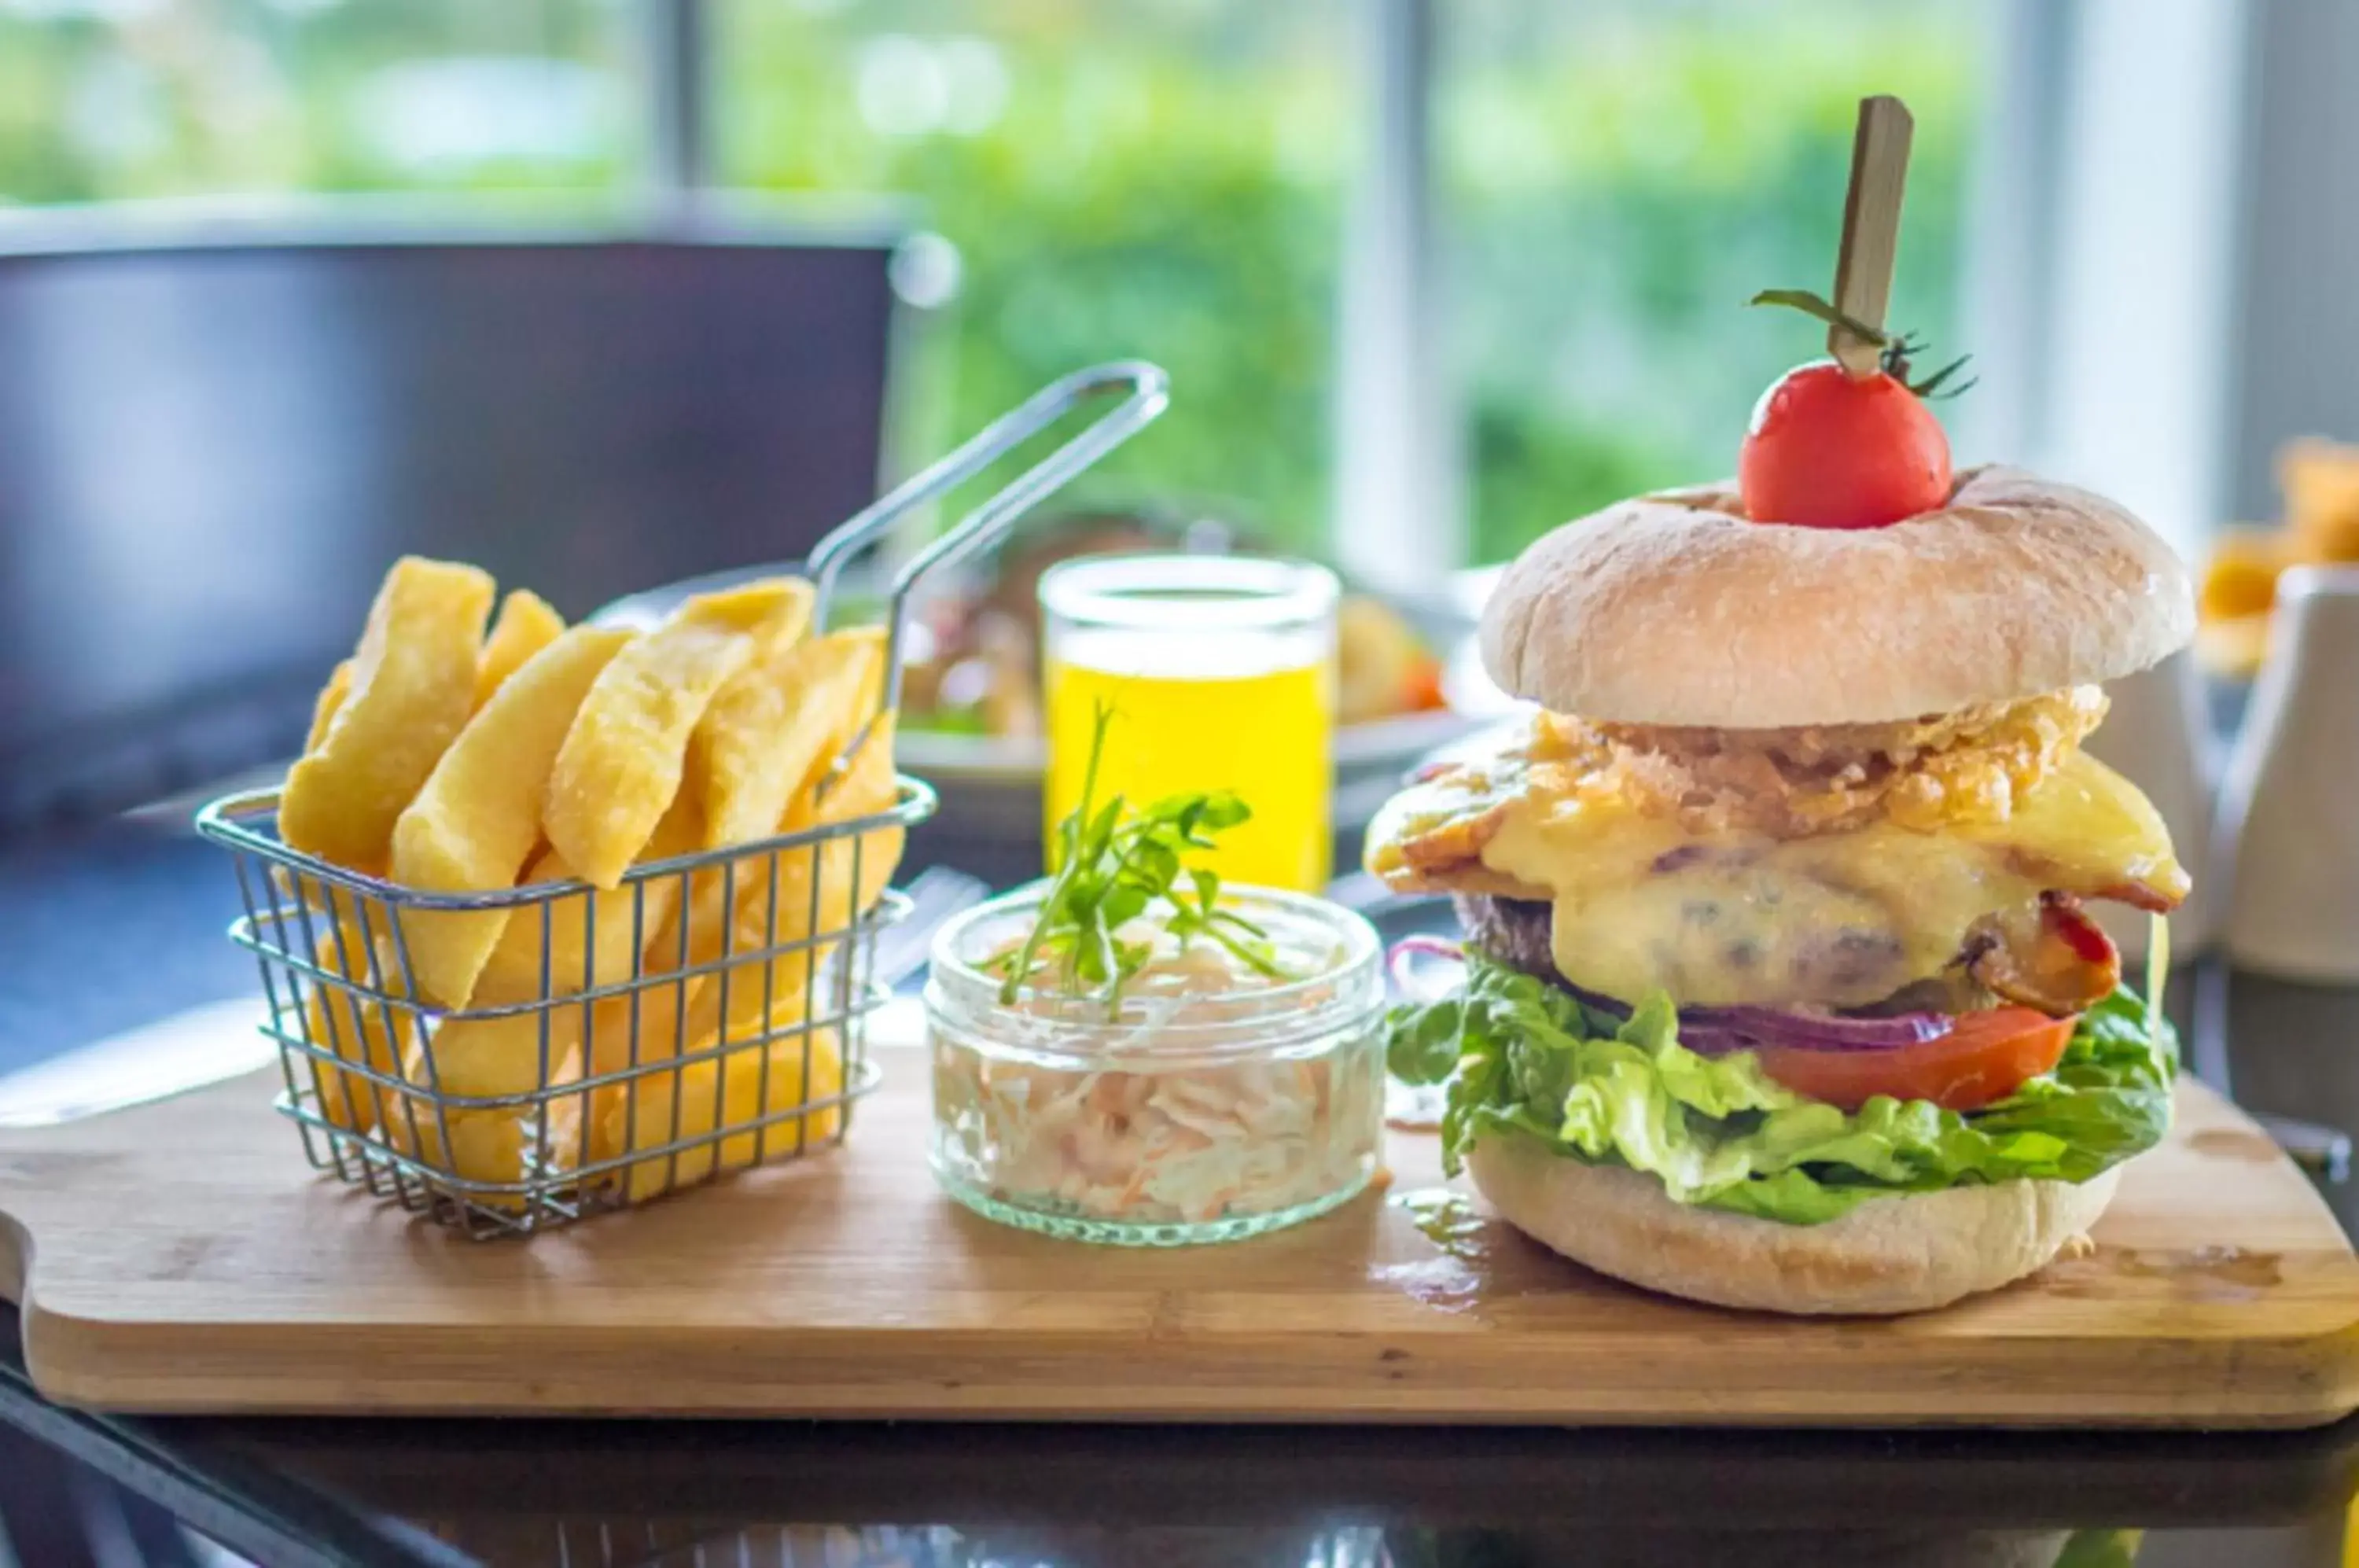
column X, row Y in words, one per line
column 1672, row 609
column 1907, row 1253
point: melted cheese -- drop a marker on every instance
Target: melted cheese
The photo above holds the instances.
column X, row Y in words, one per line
column 1837, row 920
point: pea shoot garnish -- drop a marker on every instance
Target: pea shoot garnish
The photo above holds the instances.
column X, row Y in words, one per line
column 1119, row 863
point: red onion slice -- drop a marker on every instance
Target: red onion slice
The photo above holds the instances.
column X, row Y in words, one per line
column 1400, row 962
column 1818, row 1031
column 1716, row 1031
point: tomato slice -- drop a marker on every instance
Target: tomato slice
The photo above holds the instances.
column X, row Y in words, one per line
column 1982, row 1061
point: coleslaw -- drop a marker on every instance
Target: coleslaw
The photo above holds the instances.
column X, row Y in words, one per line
column 1219, row 1102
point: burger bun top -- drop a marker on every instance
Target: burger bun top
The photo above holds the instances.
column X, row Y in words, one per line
column 1673, row 609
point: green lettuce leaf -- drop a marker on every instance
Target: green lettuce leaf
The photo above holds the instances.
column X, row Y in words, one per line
column 1522, row 1058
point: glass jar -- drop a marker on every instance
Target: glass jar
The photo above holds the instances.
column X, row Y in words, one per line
column 1212, row 1106
column 1221, row 674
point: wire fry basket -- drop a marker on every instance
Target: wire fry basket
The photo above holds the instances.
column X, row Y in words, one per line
column 707, row 1015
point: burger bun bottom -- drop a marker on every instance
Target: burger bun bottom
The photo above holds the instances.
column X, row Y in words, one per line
column 1907, row 1253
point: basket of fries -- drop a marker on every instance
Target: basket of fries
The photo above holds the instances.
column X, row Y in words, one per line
column 555, row 920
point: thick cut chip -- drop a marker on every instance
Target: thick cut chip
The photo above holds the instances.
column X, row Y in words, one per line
column 491, row 1149
column 622, row 762
column 356, row 1027
column 647, row 1023
column 478, row 816
column 727, row 916
column 592, row 939
column 494, row 1145
column 737, row 1090
column 712, row 1007
column 506, row 1054
column 413, row 680
column 823, row 891
column 864, row 719
column 793, row 618
column 324, row 708
column 524, row 627
column 775, row 723
column 815, row 891
column 867, row 787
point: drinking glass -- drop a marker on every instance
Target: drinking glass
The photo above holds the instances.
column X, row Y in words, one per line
column 1219, row 672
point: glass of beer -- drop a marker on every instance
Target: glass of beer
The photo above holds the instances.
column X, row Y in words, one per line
column 1221, row 674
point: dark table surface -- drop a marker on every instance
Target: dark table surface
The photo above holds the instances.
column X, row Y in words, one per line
column 614, row 1493
column 72, row 902
column 644, row 1492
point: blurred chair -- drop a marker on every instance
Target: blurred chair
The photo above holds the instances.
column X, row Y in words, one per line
column 213, row 439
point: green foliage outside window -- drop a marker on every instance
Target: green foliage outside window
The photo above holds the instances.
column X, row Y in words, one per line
column 1168, row 179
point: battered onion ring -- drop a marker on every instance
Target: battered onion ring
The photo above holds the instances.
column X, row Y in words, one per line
column 1969, row 766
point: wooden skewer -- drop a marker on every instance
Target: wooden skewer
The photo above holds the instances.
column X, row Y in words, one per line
column 1871, row 229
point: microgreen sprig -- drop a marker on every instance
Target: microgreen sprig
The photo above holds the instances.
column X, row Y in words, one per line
column 1118, row 863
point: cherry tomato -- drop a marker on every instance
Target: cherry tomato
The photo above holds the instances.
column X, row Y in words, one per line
column 1982, row 1061
column 1421, row 690
column 1827, row 450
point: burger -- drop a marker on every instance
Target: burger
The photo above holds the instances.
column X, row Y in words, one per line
column 1781, row 990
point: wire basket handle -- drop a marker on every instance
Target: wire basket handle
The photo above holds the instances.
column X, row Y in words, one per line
column 1149, row 394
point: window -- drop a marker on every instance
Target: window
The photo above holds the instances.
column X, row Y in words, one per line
column 1164, row 180
column 1616, row 177
column 103, row 100
column 1173, row 179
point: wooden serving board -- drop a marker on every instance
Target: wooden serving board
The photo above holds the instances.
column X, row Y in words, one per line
column 182, row 1257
